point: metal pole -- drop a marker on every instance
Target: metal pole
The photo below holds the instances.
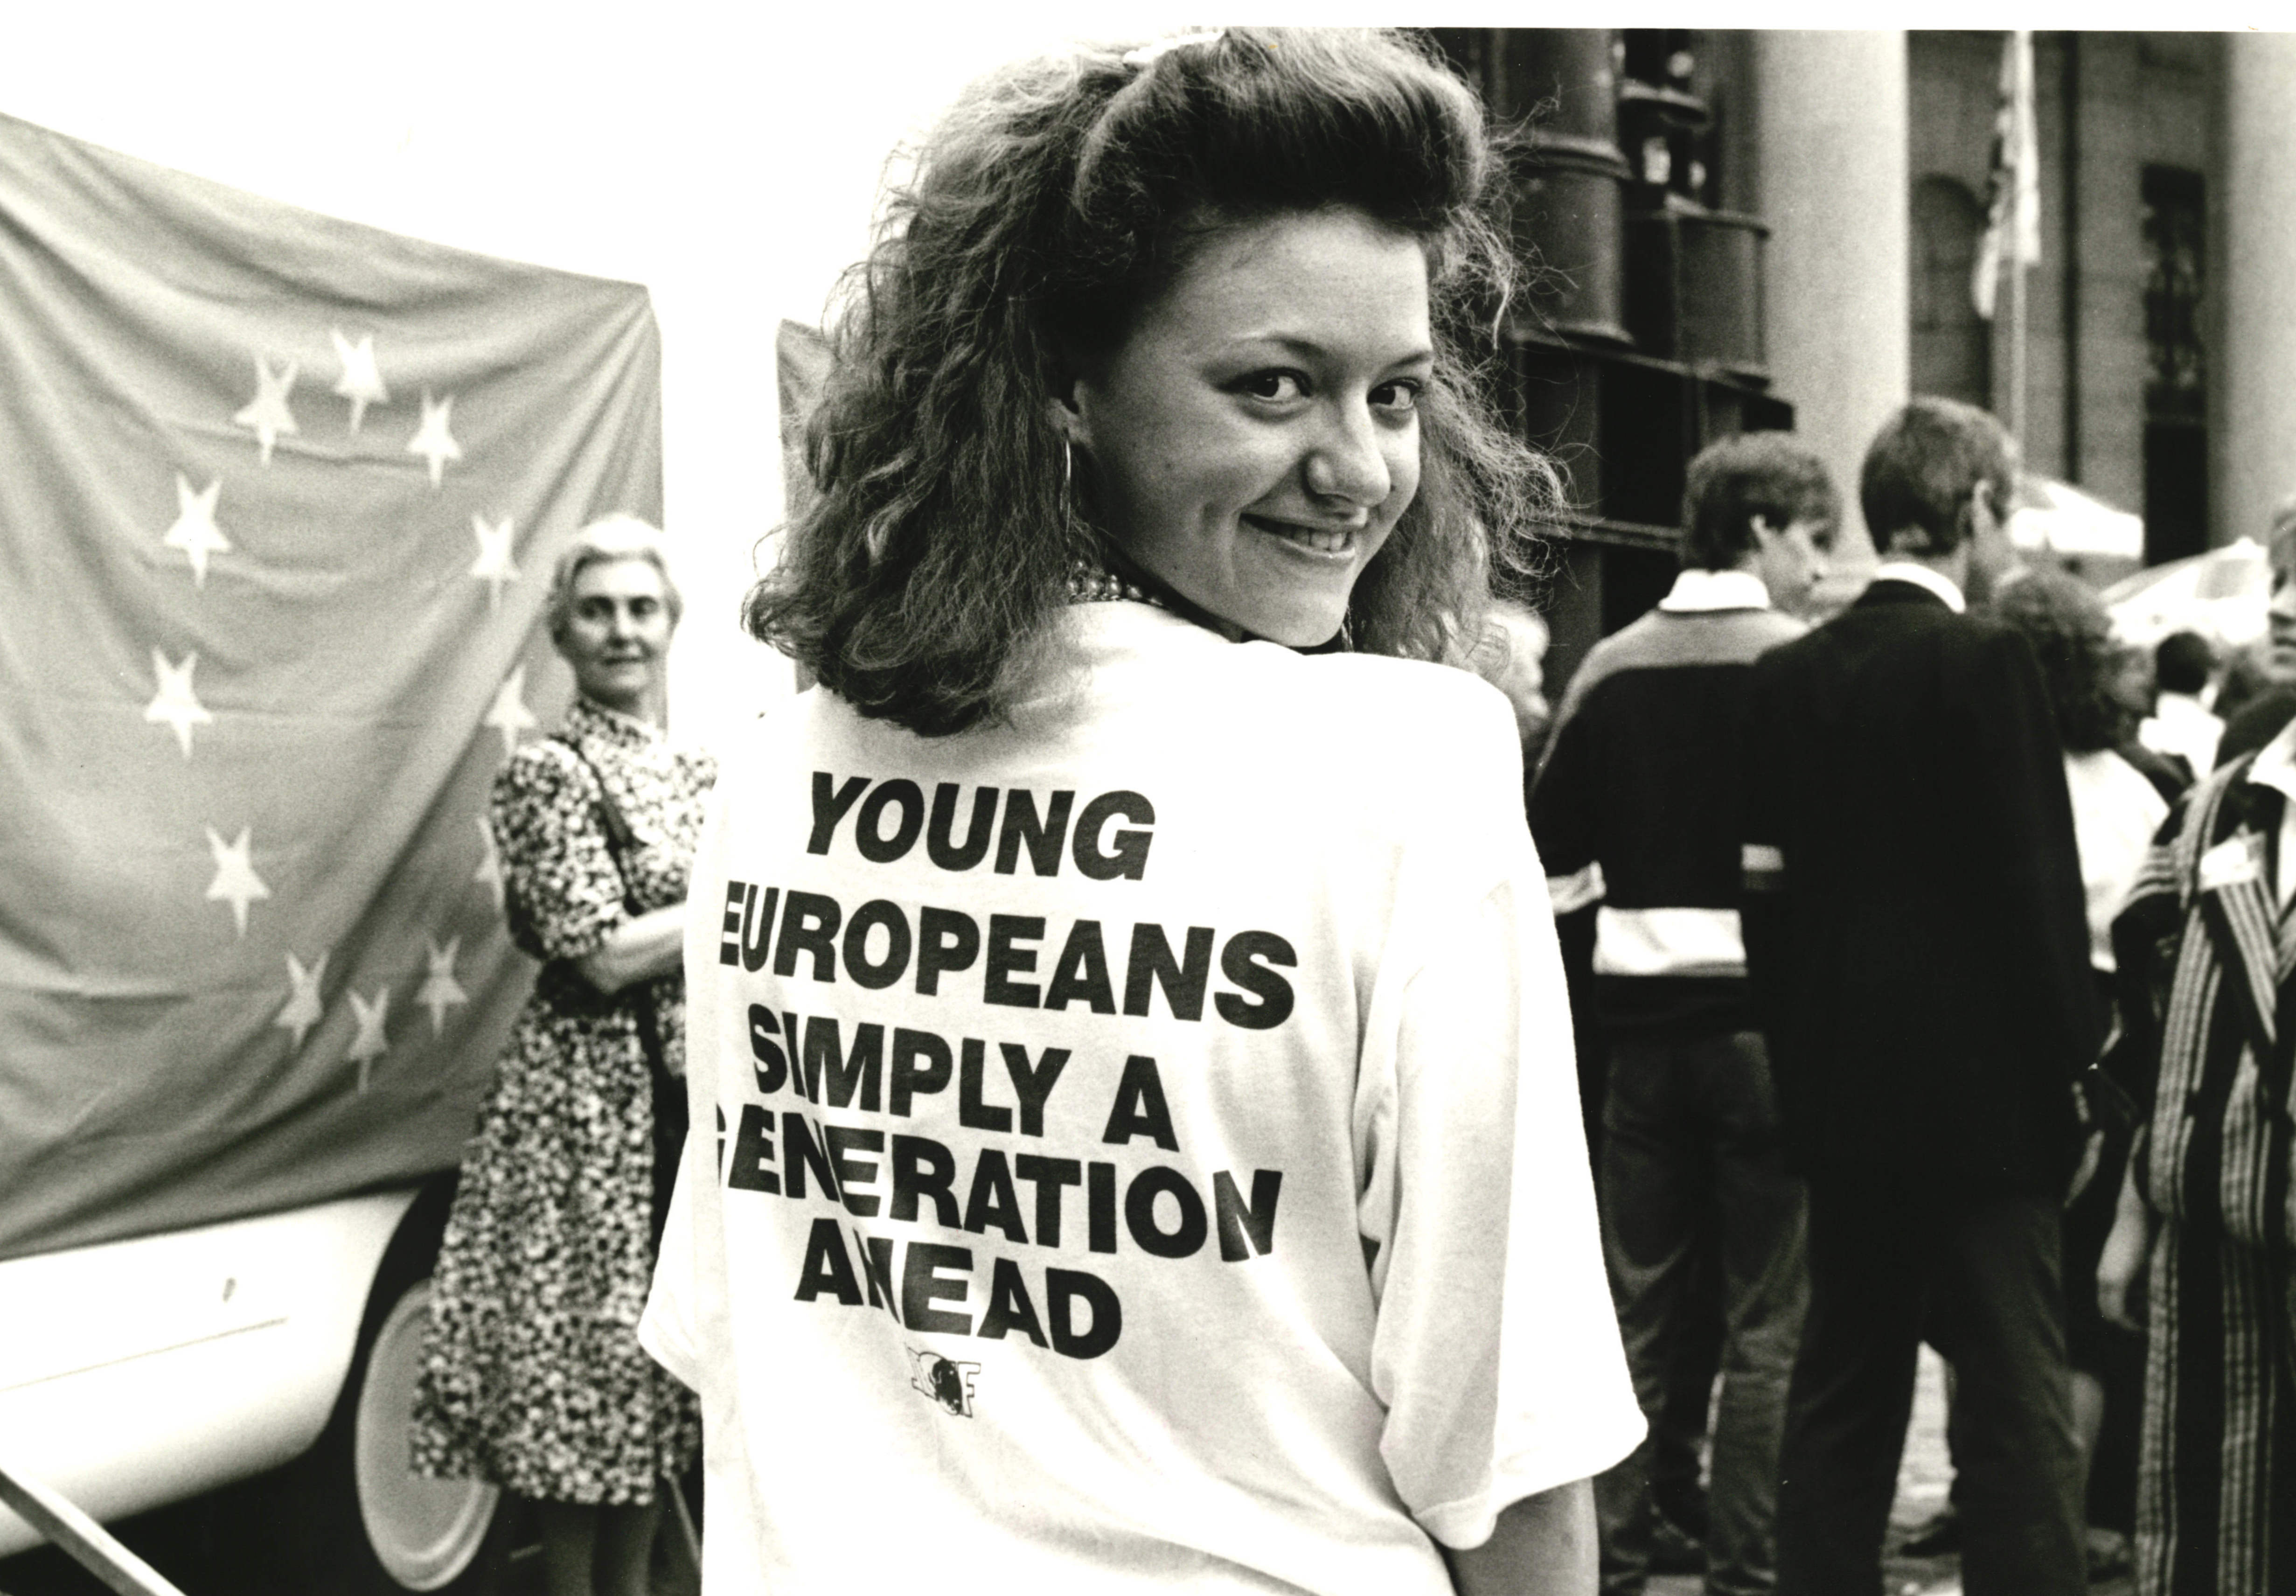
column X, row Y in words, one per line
column 2016, row 348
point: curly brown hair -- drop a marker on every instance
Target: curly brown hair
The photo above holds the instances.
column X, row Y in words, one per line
column 1046, row 211
column 2072, row 637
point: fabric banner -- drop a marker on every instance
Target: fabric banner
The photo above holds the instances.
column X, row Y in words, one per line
column 279, row 500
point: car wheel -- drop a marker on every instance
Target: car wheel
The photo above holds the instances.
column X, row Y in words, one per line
column 422, row 1534
column 357, row 1520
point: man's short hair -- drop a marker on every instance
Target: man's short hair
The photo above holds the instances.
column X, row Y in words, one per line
column 1922, row 466
column 1767, row 475
column 2182, row 662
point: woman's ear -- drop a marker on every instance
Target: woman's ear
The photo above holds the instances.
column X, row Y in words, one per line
column 1063, row 409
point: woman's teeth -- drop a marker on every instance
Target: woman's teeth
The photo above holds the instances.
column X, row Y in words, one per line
column 1331, row 542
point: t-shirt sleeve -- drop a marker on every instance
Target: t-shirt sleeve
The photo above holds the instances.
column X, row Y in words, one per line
column 1496, row 1349
column 688, row 1276
column 666, row 1330
column 560, row 888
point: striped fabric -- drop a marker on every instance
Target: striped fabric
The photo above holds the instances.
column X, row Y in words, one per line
column 2216, row 1473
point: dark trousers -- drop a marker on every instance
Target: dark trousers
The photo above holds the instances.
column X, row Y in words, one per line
column 1691, row 1158
column 1979, row 1281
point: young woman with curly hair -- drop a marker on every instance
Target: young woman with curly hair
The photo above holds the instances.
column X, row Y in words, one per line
column 1149, row 1149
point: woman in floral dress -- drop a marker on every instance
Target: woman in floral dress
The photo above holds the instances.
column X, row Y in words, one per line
column 532, row 1374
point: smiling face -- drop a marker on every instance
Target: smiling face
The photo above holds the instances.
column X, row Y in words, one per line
column 616, row 627
column 1257, row 436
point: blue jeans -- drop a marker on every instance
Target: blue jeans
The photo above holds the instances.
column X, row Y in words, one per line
column 1690, row 1150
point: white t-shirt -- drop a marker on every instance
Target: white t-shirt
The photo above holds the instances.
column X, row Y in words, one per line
column 1135, row 1029
column 2115, row 813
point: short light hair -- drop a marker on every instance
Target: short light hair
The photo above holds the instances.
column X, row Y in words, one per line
column 616, row 537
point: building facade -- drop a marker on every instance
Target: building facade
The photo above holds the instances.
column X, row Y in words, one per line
column 1853, row 169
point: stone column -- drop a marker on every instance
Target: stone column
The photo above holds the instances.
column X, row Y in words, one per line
column 2253, row 352
column 1831, row 180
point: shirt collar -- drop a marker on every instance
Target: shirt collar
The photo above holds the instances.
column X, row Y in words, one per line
column 1922, row 576
column 1695, row 589
column 587, row 718
column 2274, row 766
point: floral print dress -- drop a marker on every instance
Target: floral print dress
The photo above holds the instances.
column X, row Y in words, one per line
column 532, row 1374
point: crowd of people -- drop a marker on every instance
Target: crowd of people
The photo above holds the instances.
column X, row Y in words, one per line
column 1136, row 1125
column 1867, row 901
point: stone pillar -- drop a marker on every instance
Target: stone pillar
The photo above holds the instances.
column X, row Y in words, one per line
column 2252, row 353
column 1831, row 181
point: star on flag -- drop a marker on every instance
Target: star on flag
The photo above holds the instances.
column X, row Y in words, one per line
column 267, row 412
column 372, row 1041
column 235, row 881
column 361, row 382
column 441, row 990
column 195, row 532
column 489, row 874
column 493, row 566
column 510, row 716
column 303, row 1007
column 431, row 440
column 175, row 703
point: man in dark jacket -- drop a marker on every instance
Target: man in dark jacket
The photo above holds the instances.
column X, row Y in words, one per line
column 1918, row 955
column 1631, row 811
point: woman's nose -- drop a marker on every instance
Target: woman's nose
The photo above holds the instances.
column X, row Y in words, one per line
column 1349, row 461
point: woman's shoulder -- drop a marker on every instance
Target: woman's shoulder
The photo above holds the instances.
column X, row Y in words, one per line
column 1413, row 702
column 1426, row 741
column 540, row 772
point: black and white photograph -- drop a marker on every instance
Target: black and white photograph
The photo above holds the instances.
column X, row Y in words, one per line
column 1086, row 800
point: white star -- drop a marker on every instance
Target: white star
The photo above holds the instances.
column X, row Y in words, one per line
column 372, row 1041
column 489, row 871
column 441, row 990
column 175, row 703
column 510, row 716
column 303, row 1007
column 195, row 532
column 493, row 566
column 235, row 882
column 361, row 382
column 431, row 440
column 267, row 412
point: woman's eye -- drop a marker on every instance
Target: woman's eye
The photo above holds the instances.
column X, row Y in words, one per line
column 1399, row 398
column 1274, row 385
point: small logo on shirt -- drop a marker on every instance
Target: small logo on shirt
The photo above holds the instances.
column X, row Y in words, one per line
column 947, row 1382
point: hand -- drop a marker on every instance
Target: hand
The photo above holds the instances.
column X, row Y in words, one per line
column 2124, row 1257
column 2092, row 1154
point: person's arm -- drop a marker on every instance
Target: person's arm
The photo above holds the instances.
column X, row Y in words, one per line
column 639, row 948
column 1544, row 1546
column 2028, row 866
column 2124, row 1254
column 1764, row 907
column 1564, row 802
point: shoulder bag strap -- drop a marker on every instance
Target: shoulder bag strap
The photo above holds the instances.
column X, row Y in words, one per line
column 620, row 840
